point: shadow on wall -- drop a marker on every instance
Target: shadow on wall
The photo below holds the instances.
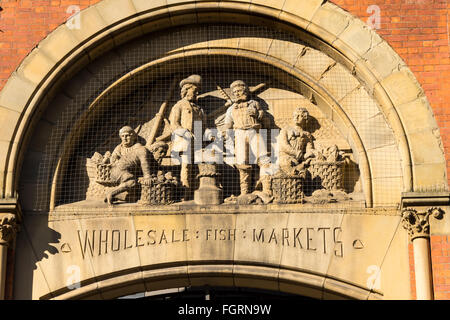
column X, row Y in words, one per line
column 35, row 244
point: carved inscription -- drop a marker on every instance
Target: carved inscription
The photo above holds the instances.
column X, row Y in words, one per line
column 320, row 240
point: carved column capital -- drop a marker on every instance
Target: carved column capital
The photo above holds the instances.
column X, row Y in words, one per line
column 8, row 228
column 418, row 223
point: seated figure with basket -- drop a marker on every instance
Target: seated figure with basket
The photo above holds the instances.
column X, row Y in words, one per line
column 123, row 163
column 296, row 150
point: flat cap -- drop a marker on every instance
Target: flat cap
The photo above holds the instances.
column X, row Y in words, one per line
column 194, row 79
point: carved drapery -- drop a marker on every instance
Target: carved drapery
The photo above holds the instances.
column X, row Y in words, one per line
column 418, row 223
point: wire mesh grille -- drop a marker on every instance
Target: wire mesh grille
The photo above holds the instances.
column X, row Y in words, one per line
column 82, row 124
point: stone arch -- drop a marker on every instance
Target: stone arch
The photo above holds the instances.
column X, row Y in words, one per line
column 344, row 37
column 358, row 51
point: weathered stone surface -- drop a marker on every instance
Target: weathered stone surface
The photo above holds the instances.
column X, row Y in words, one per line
column 359, row 37
column 36, row 66
column 366, row 240
column 359, row 106
column 426, row 147
column 387, row 191
column 16, row 92
column 375, row 132
column 314, row 63
column 91, row 22
column 392, row 280
column 383, row 60
column 385, row 162
column 402, row 87
column 304, row 9
column 338, row 81
column 31, row 280
column 113, row 11
column 143, row 5
column 59, row 43
column 8, row 122
column 429, row 176
column 329, row 21
column 417, row 116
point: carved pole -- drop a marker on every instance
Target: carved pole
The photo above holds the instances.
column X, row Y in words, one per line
column 418, row 226
column 160, row 115
column 8, row 229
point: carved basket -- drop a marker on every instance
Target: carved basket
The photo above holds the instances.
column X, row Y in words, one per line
column 99, row 172
column 157, row 193
column 288, row 189
column 330, row 174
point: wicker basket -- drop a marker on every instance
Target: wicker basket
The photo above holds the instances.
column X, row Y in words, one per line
column 288, row 189
column 157, row 193
column 330, row 174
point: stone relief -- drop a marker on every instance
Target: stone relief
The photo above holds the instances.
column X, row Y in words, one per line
column 301, row 172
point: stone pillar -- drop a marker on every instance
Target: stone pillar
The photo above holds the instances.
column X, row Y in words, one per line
column 418, row 226
column 8, row 230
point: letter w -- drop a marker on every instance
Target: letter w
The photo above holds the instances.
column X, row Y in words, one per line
column 87, row 243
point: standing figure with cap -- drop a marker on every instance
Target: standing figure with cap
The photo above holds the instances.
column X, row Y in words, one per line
column 245, row 116
column 182, row 120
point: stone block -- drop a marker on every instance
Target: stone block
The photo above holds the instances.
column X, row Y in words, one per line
column 401, row 87
column 56, row 107
column 36, row 66
column 261, row 45
column 145, row 5
column 117, row 244
column 90, row 22
column 363, row 242
column 252, row 276
column 359, row 106
column 31, row 280
column 329, row 21
column 162, row 238
column 387, row 191
column 314, row 63
column 261, row 240
column 213, row 237
column 308, row 241
column 306, row 284
column 385, row 162
column 417, row 116
column 336, row 290
column 392, row 279
column 426, row 147
column 211, row 275
column 113, row 11
column 58, row 252
column 275, row 4
column 167, row 277
column 338, row 81
column 285, row 50
column 8, row 122
column 58, row 43
column 375, row 132
column 429, row 176
column 383, row 60
column 304, row 9
column 16, row 92
column 359, row 37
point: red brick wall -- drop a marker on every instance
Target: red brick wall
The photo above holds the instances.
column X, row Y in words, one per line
column 416, row 29
column 440, row 255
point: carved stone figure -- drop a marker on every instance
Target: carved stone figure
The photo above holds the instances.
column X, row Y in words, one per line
column 125, row 159
column 245, row 116
column 296, row 145
column 182, row 118
column 296, row 150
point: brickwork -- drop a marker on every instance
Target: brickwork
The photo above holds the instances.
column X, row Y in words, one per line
column 416, row 29
column 440, row 255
